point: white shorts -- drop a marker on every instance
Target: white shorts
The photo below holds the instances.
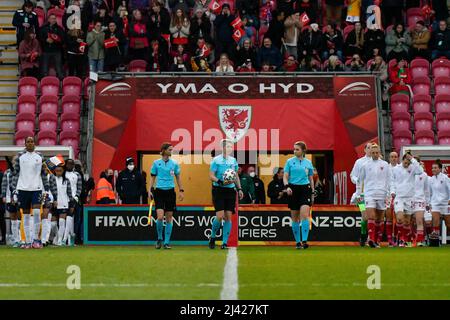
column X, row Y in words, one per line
column 444, row 210
column 418, row 206
column 379, row 204
column 403, row 205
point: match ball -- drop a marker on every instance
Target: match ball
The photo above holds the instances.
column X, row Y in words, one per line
column 229, row 175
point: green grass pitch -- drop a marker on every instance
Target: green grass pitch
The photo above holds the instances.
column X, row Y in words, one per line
column 197, row 273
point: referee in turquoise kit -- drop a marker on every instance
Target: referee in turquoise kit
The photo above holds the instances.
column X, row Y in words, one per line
column 299, row 184
column 164, row 171
column 223, row 192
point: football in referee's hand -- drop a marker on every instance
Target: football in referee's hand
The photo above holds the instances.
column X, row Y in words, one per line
column 229, row 176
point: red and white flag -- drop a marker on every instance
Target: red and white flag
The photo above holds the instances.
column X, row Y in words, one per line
column 214, row 6
column 238, row 34
column 304, row 19
column 236, row 23
column 82, row 46
column 205, row 51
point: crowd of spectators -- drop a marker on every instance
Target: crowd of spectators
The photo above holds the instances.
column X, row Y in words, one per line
column 76, row 36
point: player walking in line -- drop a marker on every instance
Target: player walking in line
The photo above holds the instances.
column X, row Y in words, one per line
column 375, row 176
column 47, row 204
column 224, row 192
column 402, row 191
column 439, row 185
column 163, row 172
column 29, row 179
column 10, row 206
column 420, row 200
column 62, row 196
column 393, row 161
column 299, row 184
column 75, row 185
column 354, row 176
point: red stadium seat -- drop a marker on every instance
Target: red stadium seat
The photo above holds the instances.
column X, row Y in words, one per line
column 421, row 103
column 71, row 104
column 440, row 68
column 48, row 104
column 401, row 138
column 442, row 85
column 69, row 138
column 21, row 136
column 413, row 15
column 423, row 121
column 40, row 14
column 59, row 13
column 424, row 137
column 421, row 85
column 443, row 121
column 444, row 138
column 442, row 103
column 28, row 86
column 50, row 86
column 419, row 68
column 401, row 121
column 26, row 104
column 399, row 103
column 25, row 122
column 347, row 30
column 137, row 66
column 71, row 86
column 70, row 122
column 48, row 122
column 46, row 138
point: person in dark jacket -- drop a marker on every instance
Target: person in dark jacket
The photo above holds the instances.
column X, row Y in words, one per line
column 248, row 188
column 275, row 189
column 440, row 41
column 114, row 53
column 270, row 54
column 391, row 12
column 287, row 6
column 25, row 19
column 276, row 28
column 185, row 5
column 334, row 11
column 159, row 21
column 332, row 42
column 224, row 32
column 52, row 39
column 200, row 27
column 374, row 44
column 310, row 7
column 354, row 44
column 130, row 184
column 310, row 42
column 260, row 193
column 247, row 52
column 76, row 53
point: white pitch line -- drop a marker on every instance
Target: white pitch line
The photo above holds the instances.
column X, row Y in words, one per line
column 230, row 277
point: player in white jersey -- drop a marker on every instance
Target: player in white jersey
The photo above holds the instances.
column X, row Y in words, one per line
column 393, row 161
column 402, row 190
column 63, row 198
column 439, row 185
column 354, row 176
column 420, row 200
column 374, row 180
column 47, row 204
column 29, row 180
column 75, row 185
column 10, row 207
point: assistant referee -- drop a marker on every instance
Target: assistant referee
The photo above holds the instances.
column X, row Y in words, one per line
column 299, row 184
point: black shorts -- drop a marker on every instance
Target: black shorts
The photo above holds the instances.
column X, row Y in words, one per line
column 27, row 199
column 11, row 208
column 301, row 196
column 165, row 199
column 61, row 211
column 224, row 199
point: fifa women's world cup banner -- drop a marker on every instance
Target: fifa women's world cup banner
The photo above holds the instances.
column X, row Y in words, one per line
column 266, row 115
column 265, row 225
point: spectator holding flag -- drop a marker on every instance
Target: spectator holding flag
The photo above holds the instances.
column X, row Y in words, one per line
column 29, row 53
column 52, row 40
column 292, row 31
column 76, row 48
column 245, row 53
column 114, row 47
column 224, row 32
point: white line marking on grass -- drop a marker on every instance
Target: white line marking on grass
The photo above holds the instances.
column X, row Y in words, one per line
column 230, row 277
column 108, row 285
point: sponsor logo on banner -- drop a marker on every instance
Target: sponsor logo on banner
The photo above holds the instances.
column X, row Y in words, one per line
column 117, row 89
column 355, row 89
column 235, row 121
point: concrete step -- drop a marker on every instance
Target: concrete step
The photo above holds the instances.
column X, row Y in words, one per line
column 6, row 19
column 11, row 3
column 9, row 72
column 6, row 139
column 7, row 36
column 8, row 89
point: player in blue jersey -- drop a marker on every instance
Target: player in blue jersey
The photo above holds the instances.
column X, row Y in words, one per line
column 299, row 184
column 223, row 192
column 163, row 172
